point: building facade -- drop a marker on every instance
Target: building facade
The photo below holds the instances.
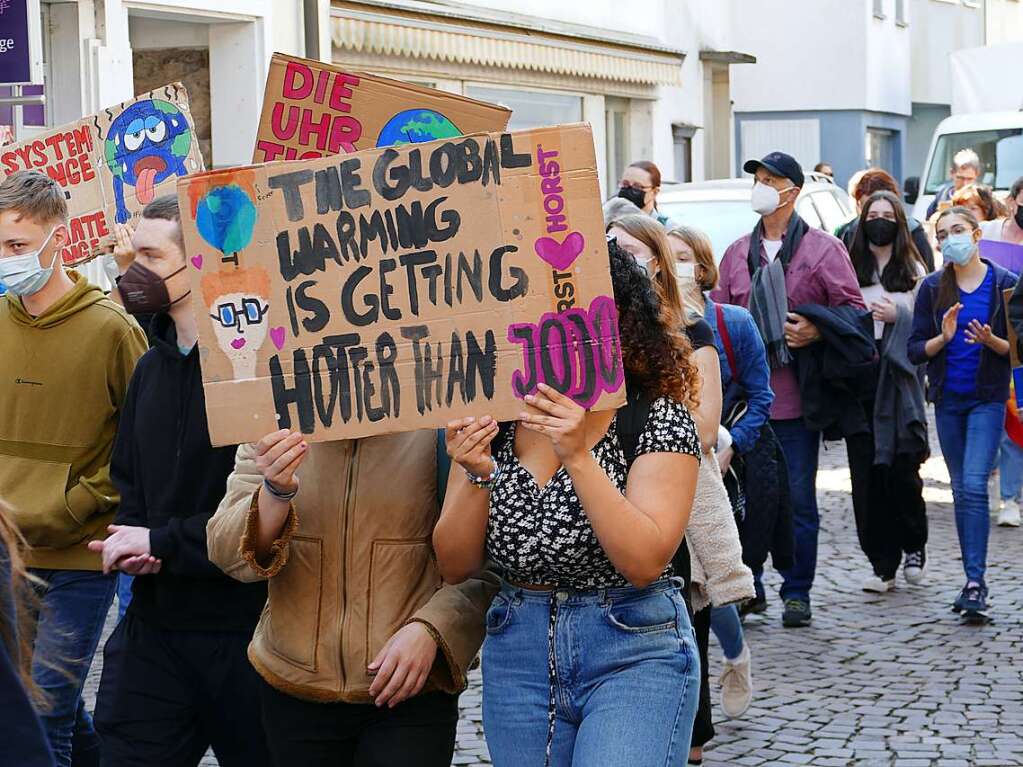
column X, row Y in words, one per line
column 856, row 83
column 694, row 85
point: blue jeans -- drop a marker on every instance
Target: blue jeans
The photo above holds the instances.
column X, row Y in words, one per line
column 727, row 627
column 73, row 606
column 1010, row 469
column 123, row 593
column 969, row 432
column 801, row 447
column 627, row 679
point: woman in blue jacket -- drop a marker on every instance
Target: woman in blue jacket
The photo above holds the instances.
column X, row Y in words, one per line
column 960, row 330
column 698, row 274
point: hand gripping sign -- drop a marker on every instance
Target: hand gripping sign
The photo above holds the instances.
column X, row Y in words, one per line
column 395, row 289
column 112, row 164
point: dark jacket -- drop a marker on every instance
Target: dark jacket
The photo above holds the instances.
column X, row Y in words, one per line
column 1016, row 316
column 837, row 374
column 847, row 232
column 765, row 527
column 900, row 414
column 172, row 481
column 994, row 369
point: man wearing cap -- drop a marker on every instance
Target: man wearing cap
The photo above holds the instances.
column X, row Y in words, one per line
column 785, row 263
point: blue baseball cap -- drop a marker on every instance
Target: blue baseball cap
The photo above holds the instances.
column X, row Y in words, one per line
column 780, row 164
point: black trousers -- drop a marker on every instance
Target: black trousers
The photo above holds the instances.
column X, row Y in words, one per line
column 420, row 731
column 703, row 726
column 166, row 696
column 891, row 516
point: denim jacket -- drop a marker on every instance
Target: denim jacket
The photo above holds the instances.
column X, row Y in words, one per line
column 994, row 369
column 754, row 374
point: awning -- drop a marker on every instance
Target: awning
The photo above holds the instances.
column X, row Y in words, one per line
column 503, row 47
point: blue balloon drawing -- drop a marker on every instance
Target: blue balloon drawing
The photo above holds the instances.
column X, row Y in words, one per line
column 225, row 217
column 414, row 126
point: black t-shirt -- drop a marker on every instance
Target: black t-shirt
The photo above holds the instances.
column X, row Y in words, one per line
column 700, row 334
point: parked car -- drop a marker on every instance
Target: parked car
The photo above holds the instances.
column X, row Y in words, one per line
column 722, row 208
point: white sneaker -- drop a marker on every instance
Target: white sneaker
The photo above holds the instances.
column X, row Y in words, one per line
column 914, row 567
column 1009, row 515
column 737, row 684
column 877, row 585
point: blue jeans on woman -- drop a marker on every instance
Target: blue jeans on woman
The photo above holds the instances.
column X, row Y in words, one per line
column 73, row 607
column 970, row 431
column 1010, row 469
column 626, row 683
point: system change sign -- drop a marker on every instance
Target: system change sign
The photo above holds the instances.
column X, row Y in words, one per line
column 395, row 289
column 312, row 109
column 112, row 164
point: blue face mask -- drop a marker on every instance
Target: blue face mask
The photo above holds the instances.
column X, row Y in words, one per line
column 958, row 248
column 25, row 274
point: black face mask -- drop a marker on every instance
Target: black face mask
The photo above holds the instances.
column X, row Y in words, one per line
column 143, row 291
column 1019, row 216
column 636, row 196
column 881, row 231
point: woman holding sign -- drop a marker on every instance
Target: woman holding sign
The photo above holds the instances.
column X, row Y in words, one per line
column 589, row 656
column 959, row 330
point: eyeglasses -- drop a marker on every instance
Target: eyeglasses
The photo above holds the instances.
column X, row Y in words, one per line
column 630, row 185
column 230, row 316
column 942, row 235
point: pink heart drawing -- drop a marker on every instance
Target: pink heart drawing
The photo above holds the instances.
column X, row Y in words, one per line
column 560, row 255
column 278, row 337
column 197, row 261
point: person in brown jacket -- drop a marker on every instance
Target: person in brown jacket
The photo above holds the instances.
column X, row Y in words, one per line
column 361, row 647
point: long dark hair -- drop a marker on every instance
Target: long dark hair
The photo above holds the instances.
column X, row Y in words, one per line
column 901, row 271
column 948, row 286
column 655, row 350
column 17, row 602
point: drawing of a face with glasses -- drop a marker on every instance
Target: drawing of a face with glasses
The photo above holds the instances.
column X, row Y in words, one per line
column 238, row 309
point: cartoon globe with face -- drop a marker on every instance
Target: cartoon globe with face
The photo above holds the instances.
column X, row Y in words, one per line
column 414, row 126
column 146, row 144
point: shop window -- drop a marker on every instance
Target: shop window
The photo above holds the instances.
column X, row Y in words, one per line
column 881, row 149
column 616, row 131
column 682, row 150
column 531, row 109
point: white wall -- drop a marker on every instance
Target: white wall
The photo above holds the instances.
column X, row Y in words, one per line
column 1004, row 22
column 887, row 61
column 937, row 29
column 810, row 55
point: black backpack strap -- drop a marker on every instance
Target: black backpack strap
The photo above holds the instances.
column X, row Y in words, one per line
column 631, row 421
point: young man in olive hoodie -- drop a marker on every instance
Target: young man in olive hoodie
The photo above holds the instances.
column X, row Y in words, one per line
column 68, row 353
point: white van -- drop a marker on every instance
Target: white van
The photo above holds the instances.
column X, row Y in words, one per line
column 997, row 137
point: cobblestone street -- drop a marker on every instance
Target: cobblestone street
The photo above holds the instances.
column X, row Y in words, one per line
column 890, row 680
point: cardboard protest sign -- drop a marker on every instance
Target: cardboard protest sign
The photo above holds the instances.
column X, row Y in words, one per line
column 396, row 289
column 112, row 164
column 312, row 109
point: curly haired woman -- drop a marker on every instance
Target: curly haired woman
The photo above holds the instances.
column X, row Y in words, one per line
column 584, row 537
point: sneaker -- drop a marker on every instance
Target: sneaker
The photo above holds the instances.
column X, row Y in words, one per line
column 757, row 604
column 914, row 567
column 797, row 613
column 973, row 599
column 737, row 684
column 875, row 584
column 1009, row 515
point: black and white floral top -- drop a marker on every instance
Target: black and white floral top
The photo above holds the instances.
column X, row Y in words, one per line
column 542, row 535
